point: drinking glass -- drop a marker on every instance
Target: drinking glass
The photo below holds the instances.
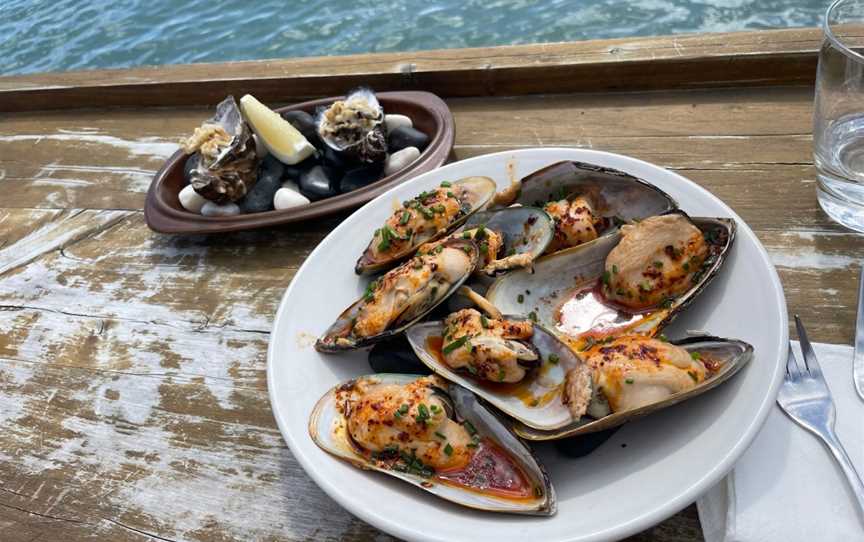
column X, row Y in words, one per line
column 838, row 118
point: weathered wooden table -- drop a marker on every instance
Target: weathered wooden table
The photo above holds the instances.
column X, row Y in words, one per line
column 133, row 401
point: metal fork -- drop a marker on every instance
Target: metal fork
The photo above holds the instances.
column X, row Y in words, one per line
column 805, row 397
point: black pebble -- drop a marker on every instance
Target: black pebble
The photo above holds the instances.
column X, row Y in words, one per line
column 405, row 136
column 584, row 444
column 293, row 173
column 260, row 198
column 191, row 163
column 316, row 183
column 396, row 356
column 305, row 124
column 334, row 159
column 360, row 177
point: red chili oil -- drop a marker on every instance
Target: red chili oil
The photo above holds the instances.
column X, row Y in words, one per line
column 493, row 472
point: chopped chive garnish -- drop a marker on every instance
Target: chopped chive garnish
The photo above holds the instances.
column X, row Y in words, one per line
column 589, row 342
column 466, row 235
column 693, row 376
column 448, row 449
column 696, row 356
column 403, row 409
column 614, row 268
column 455, row 344
column 440, row 435
column 425, row 212
column 520, row 298
column 629, row 381
column 369, row 294
column 446, row 184
column 606, row 277
column 470, row 427
column 501, row 374
column 484, row 247
column 553, row 359
column 451, row 194
column 472, row 445
column 484, row 321
column 406, row 216
column 423, row 410
column 663, row 338
column 658, row 263
column 532, row 316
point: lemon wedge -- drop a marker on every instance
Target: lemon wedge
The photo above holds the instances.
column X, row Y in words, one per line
column 282, row 140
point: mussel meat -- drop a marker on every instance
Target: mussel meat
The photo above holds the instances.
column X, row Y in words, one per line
column 402, row 296
column 425, row 218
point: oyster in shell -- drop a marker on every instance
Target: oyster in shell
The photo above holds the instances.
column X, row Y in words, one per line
column 228, row 165
column 355, row 127
column 435, row 436
column 586, row 200
column 402, row 296
column 425, row 218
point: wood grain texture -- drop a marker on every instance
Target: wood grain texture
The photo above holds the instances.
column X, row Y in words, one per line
column 724, row 59
column 133, row 403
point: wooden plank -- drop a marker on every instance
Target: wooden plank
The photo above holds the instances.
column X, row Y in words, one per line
column 760, row 152
column 704, row 60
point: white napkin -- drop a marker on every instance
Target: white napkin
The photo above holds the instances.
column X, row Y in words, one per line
column 787, row 486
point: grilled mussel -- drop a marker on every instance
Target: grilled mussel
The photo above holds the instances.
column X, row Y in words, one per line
column 507, row 238
column 586, row 201
column 402, row 296
column 635, row 280
column 434, row 435
column 634, row 375
column 516, row 365
column 427, row 217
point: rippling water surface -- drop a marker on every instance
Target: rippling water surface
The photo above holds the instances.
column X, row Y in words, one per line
column 54, row 35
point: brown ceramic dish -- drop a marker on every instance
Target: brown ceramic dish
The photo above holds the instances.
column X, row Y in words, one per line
column 429, row 113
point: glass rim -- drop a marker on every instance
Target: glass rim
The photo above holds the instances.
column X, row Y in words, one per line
column 833, row 38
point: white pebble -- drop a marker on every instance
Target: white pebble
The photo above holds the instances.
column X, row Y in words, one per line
column 191, row 200
column 286, row 198
column 212, row 209
column 400, row 159
column 291, row 185
column 391, row 122
column 260, row 148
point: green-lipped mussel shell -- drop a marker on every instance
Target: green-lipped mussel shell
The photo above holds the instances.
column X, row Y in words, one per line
column 536, row 401
column 326, row 417
column 523, row 229
column 613, row 193
column 479, row 191
column 342, row 326
column 557, row 278
column 733, row 355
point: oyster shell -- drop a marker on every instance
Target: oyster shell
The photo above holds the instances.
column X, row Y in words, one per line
column 536, row 400
column 440, row 438
column 720, row 359
column 565, row 293
column 402, row 296
column 355, row 127
column 586, row 200
column 228, row 164
column 427, row 217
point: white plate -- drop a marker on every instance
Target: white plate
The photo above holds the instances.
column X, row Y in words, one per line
column 670, row 457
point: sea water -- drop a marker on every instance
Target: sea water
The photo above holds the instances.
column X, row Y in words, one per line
column 57, row 35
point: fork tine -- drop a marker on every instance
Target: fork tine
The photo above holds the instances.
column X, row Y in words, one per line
column 792, row 369
column 806, row 348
